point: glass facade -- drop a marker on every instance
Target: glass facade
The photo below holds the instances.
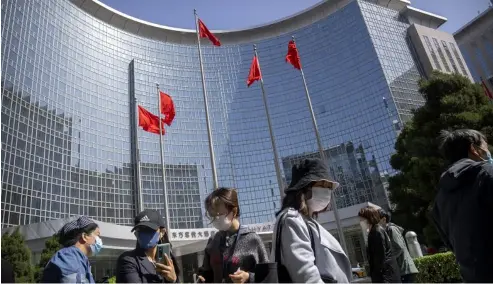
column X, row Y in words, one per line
column 68, row 123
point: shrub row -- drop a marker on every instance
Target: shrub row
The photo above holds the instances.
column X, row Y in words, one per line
column 438, row 268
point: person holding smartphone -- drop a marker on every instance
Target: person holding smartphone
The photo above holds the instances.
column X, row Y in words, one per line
column 232, row 253
column 151, row 261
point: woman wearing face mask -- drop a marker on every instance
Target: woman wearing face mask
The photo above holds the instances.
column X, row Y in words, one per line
column 80, row 239
column 309, row 253
column 383, row 265
column 233, row 252
column 140, row 265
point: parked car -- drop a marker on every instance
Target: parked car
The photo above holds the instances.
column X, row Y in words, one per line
column 358, row 272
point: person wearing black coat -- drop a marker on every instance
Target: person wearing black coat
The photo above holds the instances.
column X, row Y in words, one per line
column 464, row 202
column 139, row 265
column 383, row 265
column 8, row 275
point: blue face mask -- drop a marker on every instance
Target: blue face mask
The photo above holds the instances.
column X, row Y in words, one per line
column 147, row 240
column 97, row 246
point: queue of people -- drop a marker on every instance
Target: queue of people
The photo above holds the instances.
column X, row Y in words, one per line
column 303, row 250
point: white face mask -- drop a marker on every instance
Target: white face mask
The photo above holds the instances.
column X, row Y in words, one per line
column 320, row 199
column 222, row 223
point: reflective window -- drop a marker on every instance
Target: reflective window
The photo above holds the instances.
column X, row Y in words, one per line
column 432, row 52
column 442, row 56
column 449, row 55
column 458, row 59
column 67, row 116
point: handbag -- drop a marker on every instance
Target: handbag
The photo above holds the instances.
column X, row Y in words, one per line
column 276, row 272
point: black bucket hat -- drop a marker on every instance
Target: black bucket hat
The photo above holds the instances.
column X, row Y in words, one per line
column 307, row 172
column 149, row 218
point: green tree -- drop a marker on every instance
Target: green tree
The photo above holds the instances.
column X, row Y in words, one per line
column 15, row 251
column 452, row 102
column 51, row 247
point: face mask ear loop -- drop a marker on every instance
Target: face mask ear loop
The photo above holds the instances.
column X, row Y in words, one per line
column 478, row 155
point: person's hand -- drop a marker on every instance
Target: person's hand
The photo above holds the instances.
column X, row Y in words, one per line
column 167, row 271
column 239, row 276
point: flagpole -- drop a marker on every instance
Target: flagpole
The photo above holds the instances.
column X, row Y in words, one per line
column 206, row 105
column 274, row 148
column 342, row 239
column 161, row 150
column 139, row 171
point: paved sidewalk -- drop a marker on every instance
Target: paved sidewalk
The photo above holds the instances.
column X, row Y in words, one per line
column 362, row 280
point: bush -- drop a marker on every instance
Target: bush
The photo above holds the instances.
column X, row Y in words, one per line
column 438, row 268
column 112, row 279
column 15, row 251
column 51, row 247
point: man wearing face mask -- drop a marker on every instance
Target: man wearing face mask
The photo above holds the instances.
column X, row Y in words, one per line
column 309, row 253
column 80, row 239
column 464, row 201
column 232, row 253
column 140, row 265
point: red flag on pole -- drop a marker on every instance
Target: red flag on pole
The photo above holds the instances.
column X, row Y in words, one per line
column 204, row 32
column 292, row 56
column 167, row 108
column 149, row 122
column 486, row 90
column 255, row 73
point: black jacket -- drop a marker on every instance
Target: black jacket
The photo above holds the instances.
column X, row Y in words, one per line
column 134, row 267
column 7, row 272
column 383, row 265
column 462, row 214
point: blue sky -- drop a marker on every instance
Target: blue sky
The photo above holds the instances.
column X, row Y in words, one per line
column 235, row 14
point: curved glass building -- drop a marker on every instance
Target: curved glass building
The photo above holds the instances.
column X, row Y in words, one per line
column 72, row 70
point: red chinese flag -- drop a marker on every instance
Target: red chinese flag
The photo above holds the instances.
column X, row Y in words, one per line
column 293, row 57
column 167, row 108
column 254, row 74
column 486, row 90
column 149, row 122
column 204, row 32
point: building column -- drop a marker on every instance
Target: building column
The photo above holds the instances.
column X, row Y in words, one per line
column 200, row 258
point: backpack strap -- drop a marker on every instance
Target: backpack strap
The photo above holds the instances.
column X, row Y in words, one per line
column 312, row 241
column 278, row 238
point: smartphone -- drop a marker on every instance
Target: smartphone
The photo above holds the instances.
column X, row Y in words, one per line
column 162, row 250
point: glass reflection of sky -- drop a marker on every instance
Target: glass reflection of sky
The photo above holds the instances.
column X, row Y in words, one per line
column 70, row 62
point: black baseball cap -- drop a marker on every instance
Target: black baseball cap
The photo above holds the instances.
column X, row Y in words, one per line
column 149, row 218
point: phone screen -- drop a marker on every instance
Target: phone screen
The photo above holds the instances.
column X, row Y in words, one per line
column 162, row 250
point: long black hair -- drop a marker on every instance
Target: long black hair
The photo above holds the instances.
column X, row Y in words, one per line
column 296, row 200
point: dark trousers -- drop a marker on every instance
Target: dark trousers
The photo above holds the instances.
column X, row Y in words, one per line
column 408, row 278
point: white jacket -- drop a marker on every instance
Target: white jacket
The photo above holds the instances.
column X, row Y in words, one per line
column 297, row 254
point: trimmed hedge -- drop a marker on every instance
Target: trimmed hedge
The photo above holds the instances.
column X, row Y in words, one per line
column 438, row 268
